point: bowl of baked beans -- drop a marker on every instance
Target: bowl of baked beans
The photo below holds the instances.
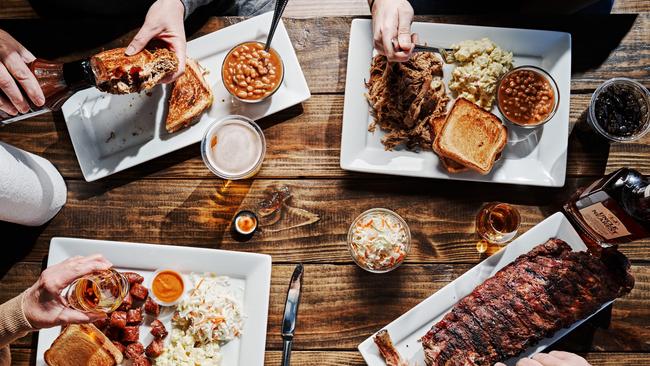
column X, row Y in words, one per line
column 251, row 74
column 527, row 96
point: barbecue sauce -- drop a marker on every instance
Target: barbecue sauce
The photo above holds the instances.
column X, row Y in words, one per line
column 612, row 210
column 59, row 81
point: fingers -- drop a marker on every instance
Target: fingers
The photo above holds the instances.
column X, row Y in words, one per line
column 548, row 360
column 568, row 356
column 144, row 35
column 178, row 45
column 54, row 279
column 71, row 316
column 10, row 88
column 17, row 67
column 7, row 107
column 528, row 362
column 404, row 20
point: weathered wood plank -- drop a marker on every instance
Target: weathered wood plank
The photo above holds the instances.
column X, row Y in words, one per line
column 304, row 141
column 198, row 212
column 343, row 305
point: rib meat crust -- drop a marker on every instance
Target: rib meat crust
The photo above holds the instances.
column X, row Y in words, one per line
column 541, row 292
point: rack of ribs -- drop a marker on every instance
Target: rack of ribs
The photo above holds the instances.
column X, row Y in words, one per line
column 541, row 292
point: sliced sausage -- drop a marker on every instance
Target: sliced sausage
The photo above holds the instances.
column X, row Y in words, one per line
column 133, row 277
column 155, row 348
column 114, row 334
column 126, row 304
column 138, row 291
column 141, row 361
column 134, row 316
column 134, row 350
column 131, row 334
column 151, row 307
column 158, row 329
column 118, row 319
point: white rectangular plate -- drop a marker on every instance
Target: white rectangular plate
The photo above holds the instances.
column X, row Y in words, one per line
column 111, row 133
column 250, row 274
column 406, row 330
column 532, row 156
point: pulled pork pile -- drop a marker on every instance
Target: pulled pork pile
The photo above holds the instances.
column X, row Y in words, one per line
column 404, row 97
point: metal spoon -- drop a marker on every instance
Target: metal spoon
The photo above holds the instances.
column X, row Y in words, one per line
column 277, row 14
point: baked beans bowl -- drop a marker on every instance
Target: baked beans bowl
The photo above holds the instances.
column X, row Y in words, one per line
column 251, row 74
column 527, row 96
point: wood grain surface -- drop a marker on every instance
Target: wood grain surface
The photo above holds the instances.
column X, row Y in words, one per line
column 174, row 199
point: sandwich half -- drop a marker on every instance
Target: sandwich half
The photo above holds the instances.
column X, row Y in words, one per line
column 471, row 137
column 189, row 98
column 82, row 345
column 117, row 73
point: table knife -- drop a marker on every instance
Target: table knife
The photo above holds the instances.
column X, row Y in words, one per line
column 291, row 313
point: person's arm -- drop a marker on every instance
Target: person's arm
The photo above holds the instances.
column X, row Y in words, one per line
column 391, row 28
column 42, row 306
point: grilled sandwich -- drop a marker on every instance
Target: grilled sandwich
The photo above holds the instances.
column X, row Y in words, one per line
column 117, row 73
column 471, row 137
column 82, row 345
column 189, row 98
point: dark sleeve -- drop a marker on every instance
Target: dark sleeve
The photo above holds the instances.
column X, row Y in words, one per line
column 191, row 5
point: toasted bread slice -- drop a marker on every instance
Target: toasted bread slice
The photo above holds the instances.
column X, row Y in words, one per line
column 436, row 126
column 82, row 345
column 117, row 73
column 471, row 137
column 190, row 96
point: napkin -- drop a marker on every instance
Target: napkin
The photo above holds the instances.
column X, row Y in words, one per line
column 31, row 189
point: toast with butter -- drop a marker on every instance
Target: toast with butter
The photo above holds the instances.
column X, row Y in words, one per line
column 471, row 137
column 82, row 345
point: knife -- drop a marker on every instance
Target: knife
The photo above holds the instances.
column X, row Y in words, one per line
column 291, row 313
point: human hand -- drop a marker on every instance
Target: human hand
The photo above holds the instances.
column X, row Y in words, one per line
column 13, row 68
column 391, row 29
column 43, row 305
column 164, row 21
column 554, row 358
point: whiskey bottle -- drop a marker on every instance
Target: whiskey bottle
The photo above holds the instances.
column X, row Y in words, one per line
column 612, row 210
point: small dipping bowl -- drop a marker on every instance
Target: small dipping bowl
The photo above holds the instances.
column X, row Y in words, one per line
column 167, row 287
column 245, row 223
column 254, row 149
column 502, row 98
column 637, row 91
column 246, row 76
column 392, row 240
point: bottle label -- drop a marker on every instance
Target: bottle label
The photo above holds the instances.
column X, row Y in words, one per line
column 603, row 221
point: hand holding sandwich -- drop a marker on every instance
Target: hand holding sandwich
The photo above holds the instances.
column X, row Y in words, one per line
column 43, row 304
column 391, row 28
column 13, row 72
column 164, row 21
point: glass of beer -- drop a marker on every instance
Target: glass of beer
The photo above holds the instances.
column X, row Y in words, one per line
column 498, row 222
column 99, row 292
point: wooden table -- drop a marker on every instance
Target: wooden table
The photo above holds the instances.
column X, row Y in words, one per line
column 176, row 200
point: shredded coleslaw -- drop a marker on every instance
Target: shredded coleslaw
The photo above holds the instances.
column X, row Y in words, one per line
column 379, row 240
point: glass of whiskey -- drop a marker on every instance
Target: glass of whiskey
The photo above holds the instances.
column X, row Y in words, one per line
column 101, row 291
column 497, row 223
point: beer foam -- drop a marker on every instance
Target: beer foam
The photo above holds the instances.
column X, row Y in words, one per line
column 234, row 148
